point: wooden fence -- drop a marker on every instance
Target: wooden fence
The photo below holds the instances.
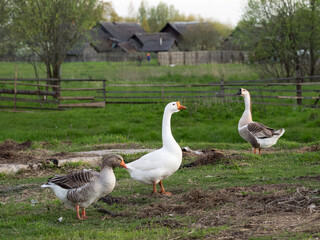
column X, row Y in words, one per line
column 285, row 91
column 202, row 57
column 36, row 94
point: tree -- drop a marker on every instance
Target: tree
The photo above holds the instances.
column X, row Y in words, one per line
column 158, row 17
column 5, row 43
column 51, row 27
column 281, row 33
column 200, row 36
column 142, row 16
column 108, row 12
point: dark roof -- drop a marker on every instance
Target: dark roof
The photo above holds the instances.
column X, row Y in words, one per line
column 154, row 42
column 99, row 39
column 121, row 31
column 127, row 47
column 95, row 37
column 180, row 27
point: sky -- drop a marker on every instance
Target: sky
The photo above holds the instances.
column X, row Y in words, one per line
column 224, row 11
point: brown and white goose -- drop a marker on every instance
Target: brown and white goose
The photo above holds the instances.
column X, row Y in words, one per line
column 80, row 189
column 257, row 134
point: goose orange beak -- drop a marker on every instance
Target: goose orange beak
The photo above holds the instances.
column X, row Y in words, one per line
column 180, row 107
column 122, row 164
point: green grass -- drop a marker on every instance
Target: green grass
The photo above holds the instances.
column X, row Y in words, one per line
column 204, row 125
column 19, row 219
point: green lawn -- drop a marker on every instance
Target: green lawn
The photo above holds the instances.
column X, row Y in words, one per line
column 242, row 196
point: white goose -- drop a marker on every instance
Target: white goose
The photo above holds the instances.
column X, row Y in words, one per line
column 80, row 189
column 257, row 134
column 153, row 167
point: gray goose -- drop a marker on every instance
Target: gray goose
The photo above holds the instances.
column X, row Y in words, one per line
column 255, row 133
column 80, row 189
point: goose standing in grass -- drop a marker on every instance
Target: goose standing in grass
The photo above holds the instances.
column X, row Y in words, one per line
column 257, row 134
column 153, row 167
column 80, row 189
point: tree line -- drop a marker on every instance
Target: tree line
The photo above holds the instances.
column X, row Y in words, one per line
column 283, row 35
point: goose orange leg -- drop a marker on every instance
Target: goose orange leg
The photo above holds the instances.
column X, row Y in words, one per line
column 154, row 191
column 162, row 191
column 254, row 151
column 78, row 215
column 259, row 151
column 83, row 213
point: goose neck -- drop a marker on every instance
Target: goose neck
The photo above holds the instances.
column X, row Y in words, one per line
column 167, row 138
column 247, row 103
column 247, row 115
column 107, row 176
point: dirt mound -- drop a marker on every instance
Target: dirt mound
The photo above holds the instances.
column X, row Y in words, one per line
column 10, row 145
column 249, row 211
column 12, row 152
column 208, row 157
column 313, row 148
column 248, row 201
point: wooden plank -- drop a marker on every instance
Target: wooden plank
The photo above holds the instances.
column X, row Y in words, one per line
column 28, row 100
column 30, row 79
column 29, row 84
column 76, row 98
column 75, row 105
column 36, row 108
column 80, row 89
column 274, row 84
column 291, row 97
column 167, row 97
column 162, row 92
column 28, row 92
column 147, row 85
column 272, row 90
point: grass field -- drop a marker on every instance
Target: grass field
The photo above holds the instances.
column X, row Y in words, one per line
column 241, row 196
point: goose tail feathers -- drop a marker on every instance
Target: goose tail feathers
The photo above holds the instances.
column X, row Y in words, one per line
column 47, row 185
column 280, row 132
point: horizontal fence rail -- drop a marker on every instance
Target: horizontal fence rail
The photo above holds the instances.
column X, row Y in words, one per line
column 282, row 91
column 50, row 94
column 55, row 94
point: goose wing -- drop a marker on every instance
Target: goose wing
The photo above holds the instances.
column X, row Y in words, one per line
column 74, row 180
column 259, row 130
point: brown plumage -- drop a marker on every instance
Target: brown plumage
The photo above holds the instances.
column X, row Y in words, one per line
column 80, row 189
column 257, row 134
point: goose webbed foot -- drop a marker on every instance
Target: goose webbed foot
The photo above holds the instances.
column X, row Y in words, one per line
column 162, row 191
column 83, row 214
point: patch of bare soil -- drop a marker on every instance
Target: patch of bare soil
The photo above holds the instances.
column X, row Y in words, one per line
column 313, row 148
column 117, row 146
column 248, row 211
column 12, row 152
column 211, row 156
column 316, row 178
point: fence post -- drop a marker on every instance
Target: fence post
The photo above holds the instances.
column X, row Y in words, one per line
column 162, row 98
column 298, row 86
column 104, row 90
column 15, row 87
column 222, row 87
